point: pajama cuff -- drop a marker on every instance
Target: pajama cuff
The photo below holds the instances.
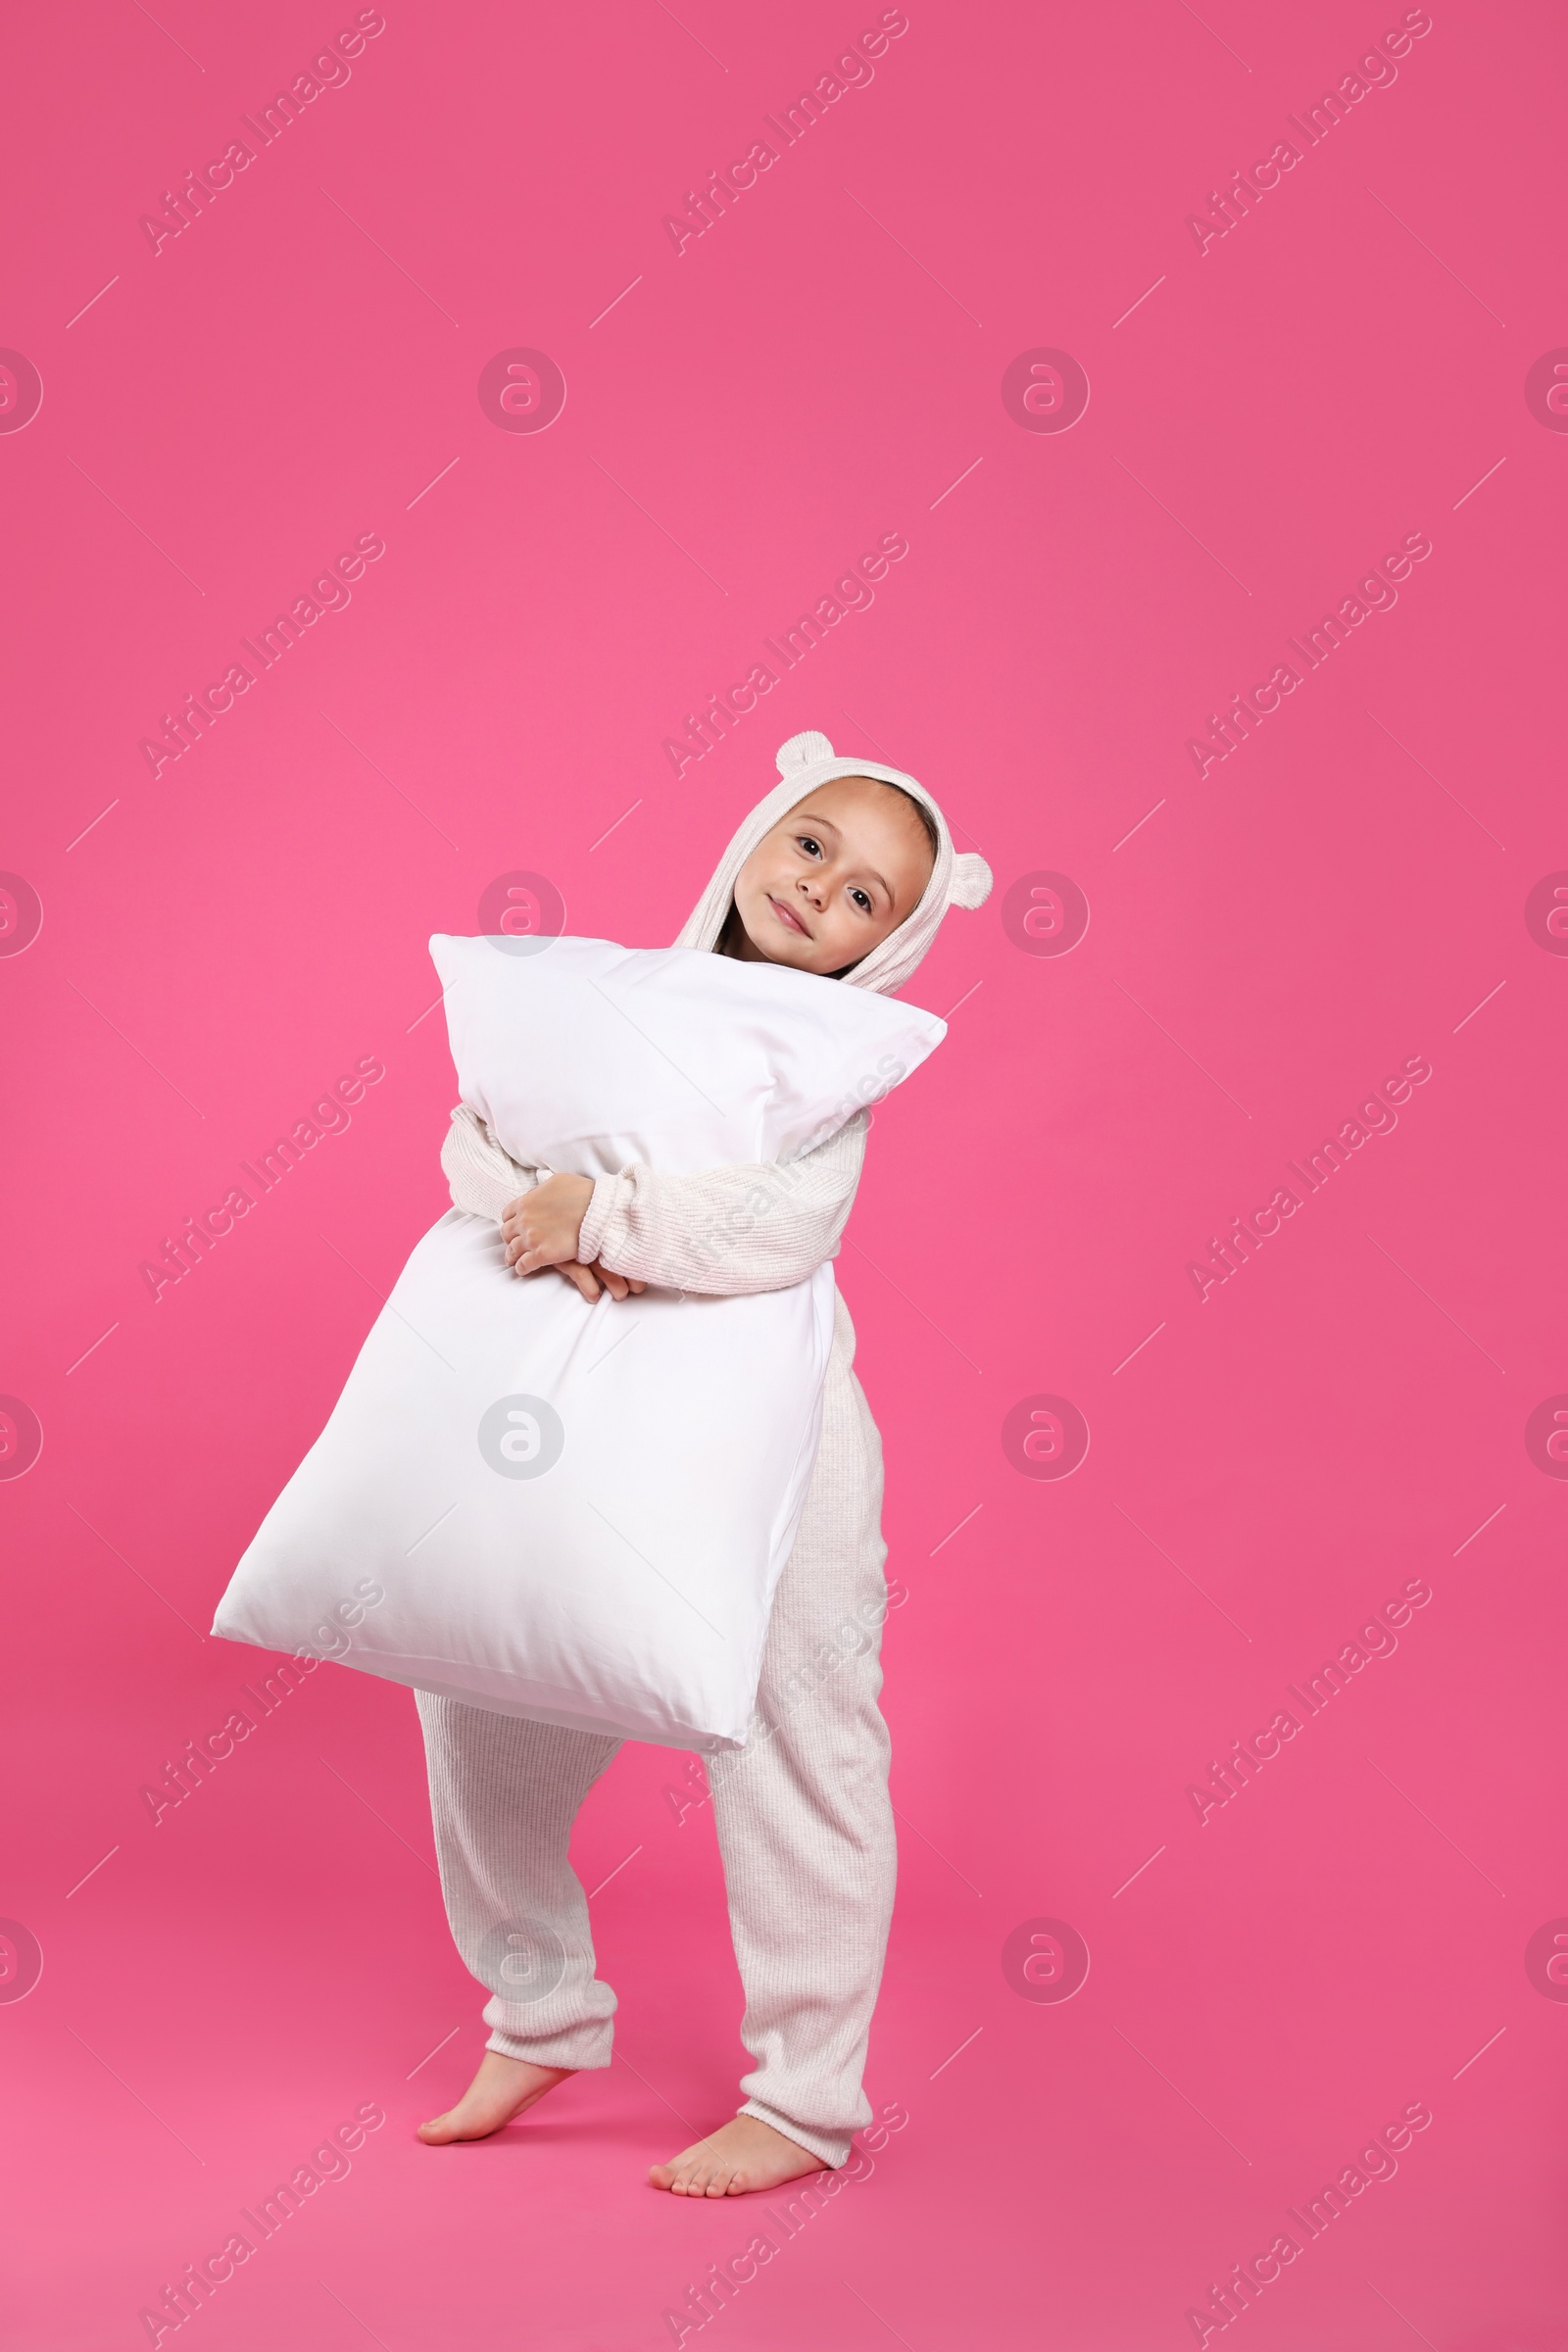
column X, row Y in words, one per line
column 578, row 2048
column 596, row 1219
column 834, row 2147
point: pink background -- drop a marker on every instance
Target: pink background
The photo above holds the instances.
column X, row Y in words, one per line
column 1268, row 1466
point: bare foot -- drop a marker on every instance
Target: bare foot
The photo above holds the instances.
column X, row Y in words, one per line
column 502, row 2088
column 743, row 2155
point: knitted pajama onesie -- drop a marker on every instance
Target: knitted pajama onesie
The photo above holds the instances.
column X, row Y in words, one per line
column 803, row 1815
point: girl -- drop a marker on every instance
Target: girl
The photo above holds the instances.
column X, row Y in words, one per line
column 844, row 869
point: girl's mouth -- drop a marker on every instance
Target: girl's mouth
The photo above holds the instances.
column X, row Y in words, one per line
column 786, row 917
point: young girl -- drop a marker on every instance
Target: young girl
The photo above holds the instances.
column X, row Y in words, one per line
column 844, row 870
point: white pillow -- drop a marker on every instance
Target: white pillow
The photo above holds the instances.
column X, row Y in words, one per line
column 580, row 1513
column 583, row 1056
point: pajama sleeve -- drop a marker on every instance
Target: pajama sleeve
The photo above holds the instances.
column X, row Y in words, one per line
column 751, row 1227
column 482, row 1178
column 724, row 1231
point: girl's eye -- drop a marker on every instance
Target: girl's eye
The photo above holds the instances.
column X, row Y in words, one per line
column 862, row 900
column 809, row 842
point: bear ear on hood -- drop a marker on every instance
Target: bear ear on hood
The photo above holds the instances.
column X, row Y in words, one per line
column 957, row 878
column 807, row 750
column 971, row 880
column 969, row 883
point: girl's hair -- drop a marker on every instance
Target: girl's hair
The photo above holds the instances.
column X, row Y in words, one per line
column 920, row 810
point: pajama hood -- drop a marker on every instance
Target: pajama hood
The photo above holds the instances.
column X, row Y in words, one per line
column 958, row 878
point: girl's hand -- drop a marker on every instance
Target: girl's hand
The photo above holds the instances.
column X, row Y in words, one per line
column 587, row 1279
column 541, row 1229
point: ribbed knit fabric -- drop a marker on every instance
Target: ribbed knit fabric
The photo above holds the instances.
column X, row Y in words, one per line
column 803, row 1815
column 749, row 1226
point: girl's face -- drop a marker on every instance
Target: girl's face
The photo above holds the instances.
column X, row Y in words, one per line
column 832, row 878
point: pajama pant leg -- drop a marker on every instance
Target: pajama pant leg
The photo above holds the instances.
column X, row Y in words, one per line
column 804, row 1820
column 504, row 1794
column 804, row 1817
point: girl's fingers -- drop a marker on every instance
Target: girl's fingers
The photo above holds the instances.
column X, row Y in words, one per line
column 583, row 1278
column 526, row 1260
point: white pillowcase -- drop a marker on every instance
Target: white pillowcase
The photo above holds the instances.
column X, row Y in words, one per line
column 583, row 1057
column 580, row 1513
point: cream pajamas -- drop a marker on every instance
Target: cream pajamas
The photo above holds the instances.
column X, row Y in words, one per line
column 803, row 1819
